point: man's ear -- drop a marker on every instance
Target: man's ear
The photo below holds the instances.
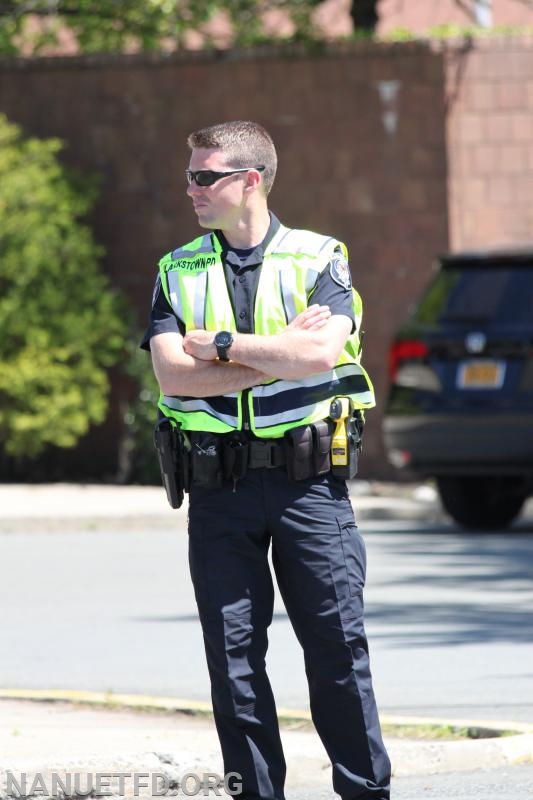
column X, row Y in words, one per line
column 253, row 179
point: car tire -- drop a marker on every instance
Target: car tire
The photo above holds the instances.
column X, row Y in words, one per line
column 481, row 502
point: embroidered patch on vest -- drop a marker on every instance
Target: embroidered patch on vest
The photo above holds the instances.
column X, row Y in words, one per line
column 340, row 271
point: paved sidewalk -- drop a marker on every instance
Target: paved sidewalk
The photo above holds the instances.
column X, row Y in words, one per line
column 95, row 505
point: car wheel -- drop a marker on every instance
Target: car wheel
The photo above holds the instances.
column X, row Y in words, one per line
column 481, row 502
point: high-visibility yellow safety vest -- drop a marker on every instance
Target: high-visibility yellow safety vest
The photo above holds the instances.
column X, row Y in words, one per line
column 193, row 280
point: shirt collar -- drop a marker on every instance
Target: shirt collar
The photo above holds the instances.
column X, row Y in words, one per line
column 257, row 254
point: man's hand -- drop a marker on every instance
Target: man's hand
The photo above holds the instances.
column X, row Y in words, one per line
column 312, row 319
column 200, row 344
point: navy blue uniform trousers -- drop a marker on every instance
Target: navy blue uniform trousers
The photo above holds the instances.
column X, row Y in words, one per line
column 319, row 561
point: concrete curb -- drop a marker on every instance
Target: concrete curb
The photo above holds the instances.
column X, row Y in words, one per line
column 409, row 756
column 162, row 703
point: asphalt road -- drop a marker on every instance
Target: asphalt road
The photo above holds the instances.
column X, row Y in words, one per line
column 513, row 783
column 448, row 618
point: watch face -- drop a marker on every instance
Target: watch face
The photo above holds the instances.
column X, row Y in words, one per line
column 223, row 339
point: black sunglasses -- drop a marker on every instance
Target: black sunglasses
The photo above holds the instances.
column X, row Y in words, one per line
column 207, row 177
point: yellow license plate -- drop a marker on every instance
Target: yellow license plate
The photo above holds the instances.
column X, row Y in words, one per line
column 481, row 374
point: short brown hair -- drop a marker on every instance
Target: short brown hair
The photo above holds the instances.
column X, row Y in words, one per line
column 245, row 144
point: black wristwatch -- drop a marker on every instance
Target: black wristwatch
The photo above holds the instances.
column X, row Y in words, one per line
column 223, row 341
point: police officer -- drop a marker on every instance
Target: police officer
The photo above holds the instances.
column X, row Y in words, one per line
column 253, row 332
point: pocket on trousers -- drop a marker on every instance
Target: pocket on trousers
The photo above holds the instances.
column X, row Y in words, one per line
column 219, row 584
column 354, row 554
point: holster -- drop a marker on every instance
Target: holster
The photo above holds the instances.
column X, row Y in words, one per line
column 354, row 434
column 172, row 454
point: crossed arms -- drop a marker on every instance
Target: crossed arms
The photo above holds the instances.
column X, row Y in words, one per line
column 188, row 365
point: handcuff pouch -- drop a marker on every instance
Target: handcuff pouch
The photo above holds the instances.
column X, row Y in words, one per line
column 299, row 453
column 322, row 433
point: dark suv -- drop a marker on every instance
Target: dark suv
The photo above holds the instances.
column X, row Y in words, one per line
column 460, row 407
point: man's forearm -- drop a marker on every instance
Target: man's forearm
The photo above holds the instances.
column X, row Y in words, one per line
column 289, row 355
column 298, row 351
column 307, row 346
column 199, row 378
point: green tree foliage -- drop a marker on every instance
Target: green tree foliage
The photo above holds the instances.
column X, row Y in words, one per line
column 61, row 327
column 31, row 26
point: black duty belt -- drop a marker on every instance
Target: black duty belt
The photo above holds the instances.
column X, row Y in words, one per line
column 266, row 453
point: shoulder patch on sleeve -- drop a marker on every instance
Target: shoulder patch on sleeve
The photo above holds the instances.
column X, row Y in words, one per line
column 340, row 271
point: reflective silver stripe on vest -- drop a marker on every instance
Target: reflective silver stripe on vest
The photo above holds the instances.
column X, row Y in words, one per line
column 205, row 247
column 312, row 275
column 326, row 243
column 200, row 297
column 200, row 287
column 292, row 241
column 296, row 414
column 192, row 404
column 344, row 379
column 287, row 281
column 174, row 291
column 281, row 385
column 278, row 238
column 292, row 415
column 310, row 280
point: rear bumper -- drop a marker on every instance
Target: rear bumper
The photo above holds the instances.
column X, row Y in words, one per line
column 482, row 444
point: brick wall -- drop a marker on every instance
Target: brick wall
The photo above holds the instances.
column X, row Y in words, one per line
column 490, row 142
column 361, row 140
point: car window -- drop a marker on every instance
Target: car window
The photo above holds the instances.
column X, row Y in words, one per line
column 478, row 294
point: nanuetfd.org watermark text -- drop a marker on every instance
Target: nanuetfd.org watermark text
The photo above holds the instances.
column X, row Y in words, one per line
column 104, row 784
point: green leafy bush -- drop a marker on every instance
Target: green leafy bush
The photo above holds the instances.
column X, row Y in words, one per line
column 137, row 456
column 61, row 325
